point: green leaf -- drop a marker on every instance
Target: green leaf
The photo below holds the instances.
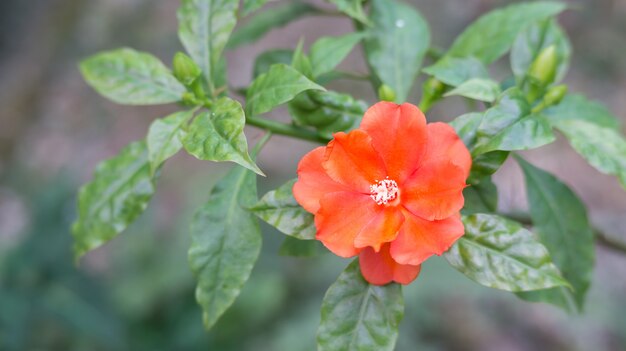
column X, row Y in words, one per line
column 204, row 27
column 577, row 107
column 165, row 137
column 264, row 61
column 352, row 8
column 508, row 125
column 533, row 40
column 328, row 112
column 250, row 6
column 301, row 62
column 603, row 148
column 359, row 316
column 225, row 243
column 278, row 86
column 131, row 77
column 454, row 71
column 218, row 135
column 396, row 46
column 480, row 89
column 560, row 220
column 279, row 209
column 327, row 52
column 480, row 197
column 117, row 195
column 492, row 35
column 500, row 253
column 301, row 248
column 265, row 21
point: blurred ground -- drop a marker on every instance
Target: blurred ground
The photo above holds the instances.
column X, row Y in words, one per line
column 136, row 293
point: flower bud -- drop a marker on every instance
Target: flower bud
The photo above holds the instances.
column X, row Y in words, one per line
column 185, row 70
column 385, row 93
column 555, row 94
column 543, row 69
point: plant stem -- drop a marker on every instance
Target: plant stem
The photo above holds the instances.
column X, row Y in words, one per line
column 600, row 236
column 287, row 129
column 260, row 144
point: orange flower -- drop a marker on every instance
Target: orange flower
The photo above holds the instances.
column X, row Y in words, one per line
column 390, row 191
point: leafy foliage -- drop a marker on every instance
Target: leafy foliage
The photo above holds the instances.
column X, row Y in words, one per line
column 225, row 243
column 395, row 48
column 359, row 316
column 560, row 220
column 500, row 253
column 119, row 193
column 131, row 77
column 165, row 137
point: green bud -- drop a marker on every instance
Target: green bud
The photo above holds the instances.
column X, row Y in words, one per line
column 555, row 94
column 432, row 90
column 185, row 70
column 543, row 69
column 189, row 99
column 385, row 93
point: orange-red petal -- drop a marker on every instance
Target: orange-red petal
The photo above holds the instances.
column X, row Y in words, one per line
column 381, row 229
column 419, row 239
column 341, row 217
column 313, row 182
column 379, row 268
column 399, row 135
column 435, row 190
column 351, row 160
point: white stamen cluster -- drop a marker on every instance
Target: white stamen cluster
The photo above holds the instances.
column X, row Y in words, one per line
column 384, row 191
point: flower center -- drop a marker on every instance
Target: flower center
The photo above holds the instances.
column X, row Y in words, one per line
column 384, row 191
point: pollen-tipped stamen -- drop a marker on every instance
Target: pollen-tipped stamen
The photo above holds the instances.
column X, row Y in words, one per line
column 384, row 191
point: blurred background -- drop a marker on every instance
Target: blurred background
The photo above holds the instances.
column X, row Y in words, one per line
column 136, row 293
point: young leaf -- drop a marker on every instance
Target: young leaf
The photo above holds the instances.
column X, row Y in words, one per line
column 328, row 111
column 577, row 107
column 264, row 61
column 327, row 52
column 533, row 40
column 352, row 8
column 301, row 62
column 455, row 71
column 396, row 46
column 359, row 316
column 603, row 148
column 301, row 248
column 278, row 86
column 164, row 137
column 480, row 197
column 204, row 27
column 560, row 220
column 131, row 77
column 279, row 209
column 480, row 89
column 225, row 243
column 265, row 21
column 218, row 135
column 501, row 254
column 119, row 193
column 492, row 35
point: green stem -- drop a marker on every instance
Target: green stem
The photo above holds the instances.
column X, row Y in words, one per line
column 286, row 129
column 260, row 144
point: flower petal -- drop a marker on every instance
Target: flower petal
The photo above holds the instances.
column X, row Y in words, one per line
column 350, row 159
column 399, row 134
column 341, row 217
column 419, row 239
column 435, row 190
column 379, row 268
column 380, row 229
column 313, row 182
